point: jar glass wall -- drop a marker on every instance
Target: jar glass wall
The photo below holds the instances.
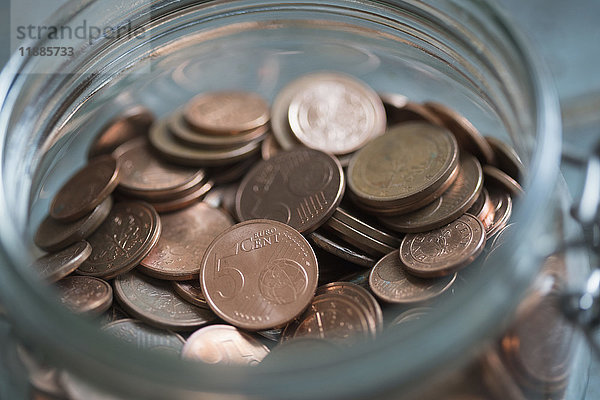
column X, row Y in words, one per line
column 461, row 53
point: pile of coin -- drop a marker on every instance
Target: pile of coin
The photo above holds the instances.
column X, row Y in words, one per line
column 410, row 202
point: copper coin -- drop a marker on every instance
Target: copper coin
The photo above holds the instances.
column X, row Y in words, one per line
column 226, row 112
column 507, row 159
column 358, row 239
column 113, row 314
column 162, row 140
column 445, row 250
column 360, row 295
column 190, row 291
column 404, row 166
column 133, row 123
column 146, row 337
column 269, row 147
column 184, row 238
column 259, row 274
column 468, row 137
column 400, row 109
column 335, row 113
column 368, row 227
column 188, row 200
column 300, row 187
column 223, row 197
column 155, row 302
column 411, row 315
column 493, row 176
column 502, row 209
column 224, row 344
column 86, row 189
column 85, row 294
column 452, row 204
column 333, row 317
column 390, row 282
column 477, row 209
column 280, row 124
column 340, row 249
column 53, row 235
column 53, row 267
column 148, row 177
column 122, row 241
column 234, row 172
column 184, row 133
column 273, row 335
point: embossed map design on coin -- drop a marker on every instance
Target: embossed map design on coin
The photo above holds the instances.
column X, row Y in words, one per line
column 300, row 187
column 445, row 250
column 123, row 240
column 391, row 283
column 146, row 337
column 259, row 274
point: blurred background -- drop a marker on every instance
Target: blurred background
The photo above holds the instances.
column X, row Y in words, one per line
column 566, row 34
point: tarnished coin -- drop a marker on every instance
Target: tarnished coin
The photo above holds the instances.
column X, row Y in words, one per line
column 468, row 137
column 507, row 159
column 412, row 315
column 188, row 200
column 53, row 267
column 156, row 303
column 85, row 294
column 358, row 239
column 274, row 335
column 183, row 132
column 300, row 187
column 445, row 250
column 484, row 210
column 146, row 337
column 226, row 112
column 342, row 250
column 269, row 147
column 333, row 317
column 184, row 238
column 493, row 176
column 502, row 209
column 133, row 123
column 53, row 235
column 410, row 163
column 449, row 206
column 113, row 314
column 335, row 113
column 123, row 240
column 190, row 291
column 144, row 175
column 161, row 139
column 360, row 295
column 390, row 282
column 224, row 344
column 86, row 189
column 365, row 225
column 400, row 109
column 259, row 274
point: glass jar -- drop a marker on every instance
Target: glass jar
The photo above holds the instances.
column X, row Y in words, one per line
column 462, row 53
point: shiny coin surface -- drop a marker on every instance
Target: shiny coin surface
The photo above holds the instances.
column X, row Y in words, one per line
column 226, row 112
column 53, row 235
column 360, row 295
column 86, row 189
column 156, row 303
column 502, row 210
column 405, row 166
column 85, row 294
column 358, row 239
column 188, row 200
column 468, row 137
column 146, row 337
column 364, row 224
column 184, row 238
column 123, row 240
column 53, row 267
column 507, row 159
column 148, row 177
column 300, row 187
column 459, row 197
column 324, row 241
column 333, row 317
column 493, row 176
column 390, row 282
column 335, row 113
column 190, row 291
column 161, row 139
column 444, row 250
column 133, row 123
column 259, row 274
column 224, row 344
